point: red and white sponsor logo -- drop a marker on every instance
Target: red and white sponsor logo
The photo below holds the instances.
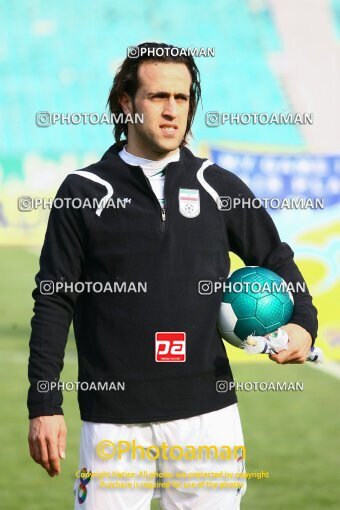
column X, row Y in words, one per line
column 170, row 346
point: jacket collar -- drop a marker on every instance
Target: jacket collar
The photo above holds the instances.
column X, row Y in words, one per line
column 113, row 151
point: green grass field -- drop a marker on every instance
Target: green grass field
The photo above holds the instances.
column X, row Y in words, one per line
column 292, row 435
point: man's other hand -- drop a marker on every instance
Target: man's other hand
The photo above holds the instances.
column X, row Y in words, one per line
column 47, row 442
column 299, row 345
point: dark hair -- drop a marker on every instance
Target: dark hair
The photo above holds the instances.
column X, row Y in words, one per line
column 126, row 80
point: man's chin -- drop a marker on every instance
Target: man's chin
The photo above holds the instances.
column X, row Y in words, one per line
column 167, row 145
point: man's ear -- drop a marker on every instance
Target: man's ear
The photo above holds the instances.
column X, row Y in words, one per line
column 126, row 103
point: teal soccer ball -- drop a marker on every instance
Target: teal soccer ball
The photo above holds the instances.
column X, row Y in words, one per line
column 256, row 301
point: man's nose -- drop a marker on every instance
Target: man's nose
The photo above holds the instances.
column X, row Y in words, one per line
column 170, row 107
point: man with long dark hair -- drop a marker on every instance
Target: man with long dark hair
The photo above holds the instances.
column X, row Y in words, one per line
column 152, row 352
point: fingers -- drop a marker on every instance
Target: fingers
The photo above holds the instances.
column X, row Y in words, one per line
column 285, row 357
column 39, row 452
column 53, row 456
column 62, row 442
column 43, row 453
column 34, row 450
column 31, row 448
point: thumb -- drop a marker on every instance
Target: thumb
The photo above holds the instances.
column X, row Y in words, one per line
column 62, row 442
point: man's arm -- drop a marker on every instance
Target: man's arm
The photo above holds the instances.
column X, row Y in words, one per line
column 61, row 260
column 254, row 237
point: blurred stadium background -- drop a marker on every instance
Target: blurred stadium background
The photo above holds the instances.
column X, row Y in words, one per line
column 271, row 56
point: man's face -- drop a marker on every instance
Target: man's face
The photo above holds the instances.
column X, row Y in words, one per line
column 163, row 98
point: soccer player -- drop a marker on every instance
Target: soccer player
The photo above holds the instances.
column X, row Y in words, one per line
column 151, row 336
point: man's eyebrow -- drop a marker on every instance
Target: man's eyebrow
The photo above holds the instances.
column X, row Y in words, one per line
column 167, row 94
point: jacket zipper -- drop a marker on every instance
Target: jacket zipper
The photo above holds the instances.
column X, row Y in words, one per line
column 163, row 209
column 160, row 208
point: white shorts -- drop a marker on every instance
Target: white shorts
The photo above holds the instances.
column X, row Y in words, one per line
column 106, row 490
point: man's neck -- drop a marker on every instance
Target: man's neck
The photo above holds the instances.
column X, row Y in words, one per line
column 149, row 155
column 148, row 165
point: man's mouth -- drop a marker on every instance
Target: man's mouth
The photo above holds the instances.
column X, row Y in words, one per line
column 168, row 129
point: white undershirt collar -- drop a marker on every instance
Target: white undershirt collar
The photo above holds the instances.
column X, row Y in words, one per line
column 149, row 166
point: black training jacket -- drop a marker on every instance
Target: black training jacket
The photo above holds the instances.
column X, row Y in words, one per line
column 170, row 251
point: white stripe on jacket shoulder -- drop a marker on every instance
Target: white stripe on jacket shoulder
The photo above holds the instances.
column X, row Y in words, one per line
column 200, row 176
column 95, row 178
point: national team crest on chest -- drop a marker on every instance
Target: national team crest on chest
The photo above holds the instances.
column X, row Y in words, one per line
column 189, row 202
